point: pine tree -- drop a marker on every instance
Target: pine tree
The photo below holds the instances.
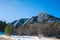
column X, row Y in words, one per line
column 8, row 30
column 2, row 25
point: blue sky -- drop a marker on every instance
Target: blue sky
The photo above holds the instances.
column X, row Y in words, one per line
column 11, row 10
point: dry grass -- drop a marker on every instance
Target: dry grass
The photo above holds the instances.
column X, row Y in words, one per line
column 53, row 39
column 5, row 38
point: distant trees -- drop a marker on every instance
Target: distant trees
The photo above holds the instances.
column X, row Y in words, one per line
column 55, row 29
column 2, row 25
column 46, row 29
column 29, row 29
column 8, row 30
column 50, row 29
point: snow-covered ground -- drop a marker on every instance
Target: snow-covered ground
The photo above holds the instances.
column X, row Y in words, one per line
column 26, row 37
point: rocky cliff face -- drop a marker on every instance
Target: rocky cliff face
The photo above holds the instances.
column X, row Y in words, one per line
column 18, row 22
column 42, row 17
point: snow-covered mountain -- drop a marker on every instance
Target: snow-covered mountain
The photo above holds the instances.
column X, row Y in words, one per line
column 42, row 17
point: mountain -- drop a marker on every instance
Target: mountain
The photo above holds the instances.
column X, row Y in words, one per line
column 19, row 22
column 41, row 18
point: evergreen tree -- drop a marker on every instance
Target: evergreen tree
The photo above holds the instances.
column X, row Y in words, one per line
column 8, row 30
column 2, row 25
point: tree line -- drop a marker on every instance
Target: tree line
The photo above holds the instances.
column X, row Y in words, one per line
column 35, row 29
column 46, row 29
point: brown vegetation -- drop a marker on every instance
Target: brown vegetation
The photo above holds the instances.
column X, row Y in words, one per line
column 47, row 29
column 6, row 38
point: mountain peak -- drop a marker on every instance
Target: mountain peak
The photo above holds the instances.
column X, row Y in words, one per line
column 42, row 16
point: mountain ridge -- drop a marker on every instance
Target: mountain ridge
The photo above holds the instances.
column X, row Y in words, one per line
column 36, row 19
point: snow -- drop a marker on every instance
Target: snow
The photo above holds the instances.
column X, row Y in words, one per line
column 27, row 38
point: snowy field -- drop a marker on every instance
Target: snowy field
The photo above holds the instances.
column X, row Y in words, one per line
column 26, row 38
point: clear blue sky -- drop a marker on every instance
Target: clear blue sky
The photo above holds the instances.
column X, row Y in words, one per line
column 11, row 10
